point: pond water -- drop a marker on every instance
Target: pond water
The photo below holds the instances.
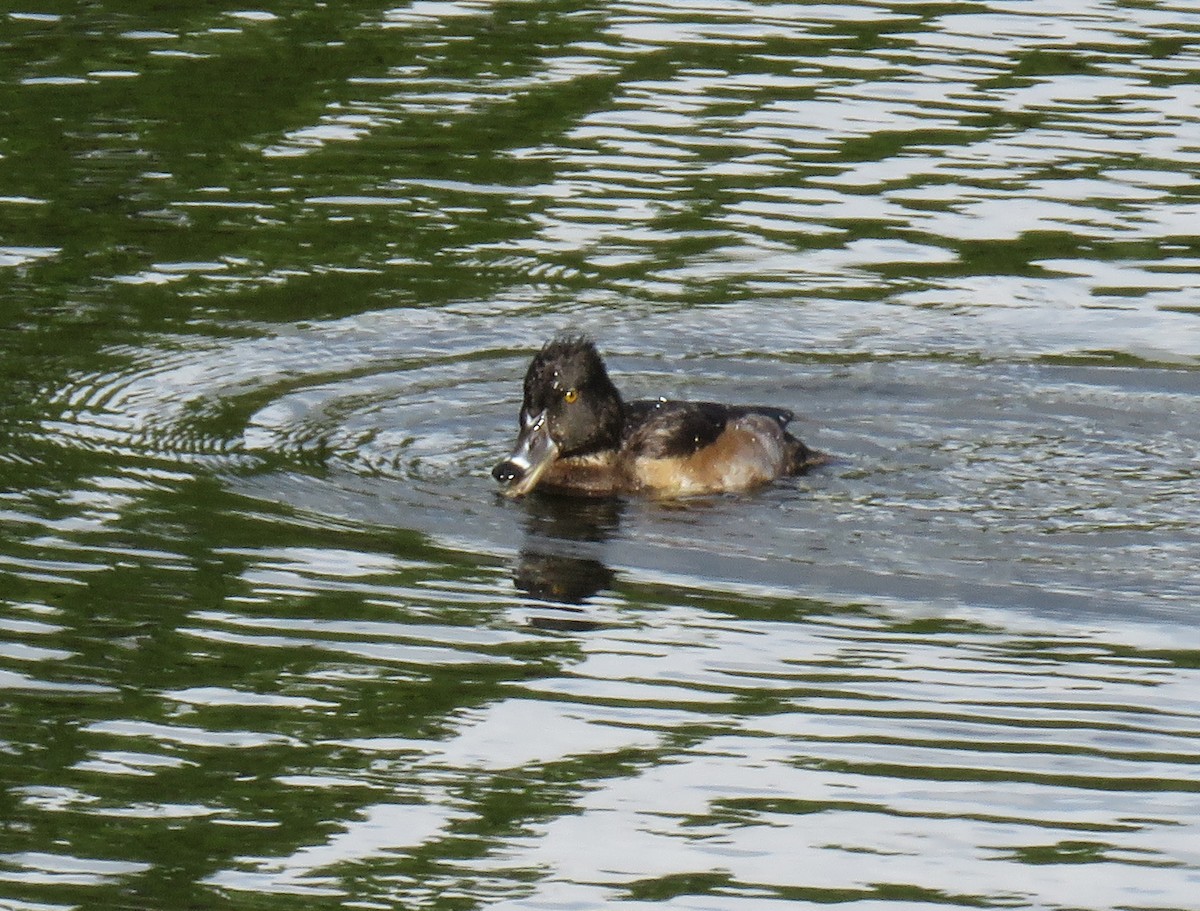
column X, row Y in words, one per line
column 269, row 638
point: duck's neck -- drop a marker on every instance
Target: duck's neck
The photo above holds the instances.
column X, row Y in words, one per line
column 609, row 425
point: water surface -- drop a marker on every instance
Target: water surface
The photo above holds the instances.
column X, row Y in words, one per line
column 268, row 636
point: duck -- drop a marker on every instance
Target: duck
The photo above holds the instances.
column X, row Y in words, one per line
column 577, row 436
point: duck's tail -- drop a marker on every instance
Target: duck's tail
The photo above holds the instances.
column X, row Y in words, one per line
column 802, row 459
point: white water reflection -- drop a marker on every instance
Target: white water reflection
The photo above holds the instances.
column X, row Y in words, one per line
column 379, row 830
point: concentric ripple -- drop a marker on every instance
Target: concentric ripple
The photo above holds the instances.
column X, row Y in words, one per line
column 367, row 393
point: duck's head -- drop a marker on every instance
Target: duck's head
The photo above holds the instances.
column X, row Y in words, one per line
column 571, row 408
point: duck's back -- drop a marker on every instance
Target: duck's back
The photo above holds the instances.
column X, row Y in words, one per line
column 683, row 448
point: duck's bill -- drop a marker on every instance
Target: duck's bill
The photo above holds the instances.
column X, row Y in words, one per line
column 534, row 453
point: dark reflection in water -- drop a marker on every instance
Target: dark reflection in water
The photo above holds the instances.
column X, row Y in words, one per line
column 562, row 556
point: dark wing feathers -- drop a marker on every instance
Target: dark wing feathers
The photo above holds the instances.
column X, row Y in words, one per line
column 780, row 415
column 664, row 429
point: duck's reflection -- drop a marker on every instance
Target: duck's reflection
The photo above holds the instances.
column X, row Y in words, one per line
column 562, row 556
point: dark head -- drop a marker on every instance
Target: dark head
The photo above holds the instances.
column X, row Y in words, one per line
column 571, row 408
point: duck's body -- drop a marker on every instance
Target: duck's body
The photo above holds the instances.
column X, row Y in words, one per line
column 578, row 437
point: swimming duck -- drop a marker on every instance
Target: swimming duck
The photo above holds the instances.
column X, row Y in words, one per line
column 577, row 436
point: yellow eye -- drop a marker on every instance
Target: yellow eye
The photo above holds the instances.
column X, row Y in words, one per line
column 570, row 396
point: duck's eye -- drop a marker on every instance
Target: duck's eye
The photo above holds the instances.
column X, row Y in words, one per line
column 570, row 396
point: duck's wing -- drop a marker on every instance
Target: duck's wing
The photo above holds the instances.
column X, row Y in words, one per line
column 667, row 429
column 781, row 416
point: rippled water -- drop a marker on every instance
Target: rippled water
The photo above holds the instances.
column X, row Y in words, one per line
column 268, row 636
